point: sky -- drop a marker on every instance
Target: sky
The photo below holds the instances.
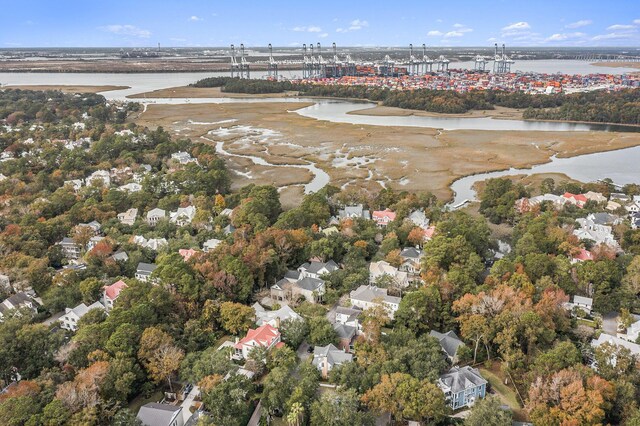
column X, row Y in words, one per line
column 199, row 23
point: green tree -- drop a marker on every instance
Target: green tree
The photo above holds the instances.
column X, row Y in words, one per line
column 321, row 332
column 419, row 310
column 236, row 318
column 489, row 412
column 294, row 331
column 341, row 408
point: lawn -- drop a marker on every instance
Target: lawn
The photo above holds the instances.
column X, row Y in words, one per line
column 508, row 396
column 140, row 400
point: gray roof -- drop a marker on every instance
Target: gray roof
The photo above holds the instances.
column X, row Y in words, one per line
column 18, row 298
column 411, row 253
column 146, row 267
column 315, row 267
column 344, row 331
column 353, row 312
column 603, row 218
column 368, row 293
column 583, row 300
column 334, row 355
column 229, row 229
column 459, row 379
column 292, row 275
column 67, row 240
column 310, row 284
column 120, row 255
column 354, row 211
column 449, row 341
column 155, row 414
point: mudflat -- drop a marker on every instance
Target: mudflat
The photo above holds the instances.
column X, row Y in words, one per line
column 202, row 92
column 411, row 158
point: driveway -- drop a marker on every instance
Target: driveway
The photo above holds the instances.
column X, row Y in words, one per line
column 302, row 351
column 188, row 402
column 610, row 323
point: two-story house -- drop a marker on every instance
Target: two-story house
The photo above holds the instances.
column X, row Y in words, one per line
column 264, row 336
column 144, row 271
column 72, row 316
column 368, row 296
column 462, row 387
column 110, row 294
column 155, row 215
column 383, row 217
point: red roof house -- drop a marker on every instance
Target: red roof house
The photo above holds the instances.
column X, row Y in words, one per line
column 384, row 217
column 186, row 253
column 583, row 256
column 111, row 292
column 575, row 199
column 265, row 336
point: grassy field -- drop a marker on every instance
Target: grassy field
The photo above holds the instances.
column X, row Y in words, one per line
column 69, row 89
column 140, row 400
column 508, row 396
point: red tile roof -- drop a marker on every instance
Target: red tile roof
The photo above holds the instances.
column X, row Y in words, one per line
column 113, row 291
column 263, row 335
column 584, row 255
column 187, row 253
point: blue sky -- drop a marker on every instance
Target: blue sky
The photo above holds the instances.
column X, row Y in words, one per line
column 68, row 23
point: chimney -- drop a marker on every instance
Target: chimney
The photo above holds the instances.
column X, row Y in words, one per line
column 278, row 322
column 237, row 340
column 325, row 367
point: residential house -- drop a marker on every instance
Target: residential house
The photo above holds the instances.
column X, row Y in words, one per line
column 317, row 269
column 274, row 318
column 619, row 196
column 72, row 316
column 183, row 216
column 94, row 225
column 378, row 270
column 599, row 234
column 346, row 336
column 100, row 178
column 326, row 358
column 595, row 196
column 5, row 282
column 187, row 254
column 156, row 414
column 603, row 338
column 110, row 293
column 633, row 331
column 229, row 229
column 449, row 342
column 120, row 256
column 153, row 243
column 144, row 271
column 419, row 219
column 93, row 241
column 604, row 219
column 130, row 187
column 580, row 302
column 348, row 316
column 613, row 206
column 226, row 212
column 577, row 200
column 582, row 256
column 429, row 233
column 210, row 245
column 383, row 217
column 369, row 296
column 75, row 184
column 264, row 336
column 128, row 217
column 524, row 205
column 155, row 215
column 70, row 249
column 183, row 157
column 330, row 231
column 411, row 257
column 16, row 301
column 634, row 218
column 353, row 212
column 462, row 386
column 288, row 289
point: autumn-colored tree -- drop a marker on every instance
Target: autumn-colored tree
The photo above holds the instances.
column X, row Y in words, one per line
column 20, row 389
column 159, row 355
column 372, row 320
column 219, row 203
column 394, row 258
column 573, row 396
column 416, row 236
column 84, row 390
column 236, row 318
column 81, row 234
column 152, row 338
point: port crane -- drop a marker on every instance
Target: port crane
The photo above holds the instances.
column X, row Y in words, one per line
column 427, row 62
column 244, row 64
column 321, row 64
column 389, row 65
column 443, row 64
column 333, row 68
column 272, row 67
column 480, row 63
column 307, row 62
column 235, row 66
column 501, row 62
column 414, row 63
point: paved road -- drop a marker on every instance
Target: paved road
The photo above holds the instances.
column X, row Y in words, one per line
column 188, row 401
column 610, row 323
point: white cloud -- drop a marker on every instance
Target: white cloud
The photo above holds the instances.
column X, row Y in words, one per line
column 459, row 25
column 178, row 39
column 323, row 35
column 358, row 24
column 126, row 30
column 517, row 26
column 451, row 34
column 613, row 36
column 618, row 27
column 195, row 18
column 565, row 36
column 438, row 20
column 309, row 29
column 341, row 30
column 579, row 24
column 636, row 21
column 435, row 33
column 492, row 39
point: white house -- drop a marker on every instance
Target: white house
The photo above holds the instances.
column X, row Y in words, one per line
column 99, row 177
column 317, row 269
column 211, row 244
column 325, row 358
column 368, row 296
column 144, row 271
column 353, row 212
column 377, row 270
column 131, row 187
column 72, row 316
column 110, row 294
column 274, row 318
column 183, row 157
column 128, row 217
column 70, row 249
column 183, row 216
column 157, row 414
column 154, row 215
column 264, row 336
column 17, row 301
